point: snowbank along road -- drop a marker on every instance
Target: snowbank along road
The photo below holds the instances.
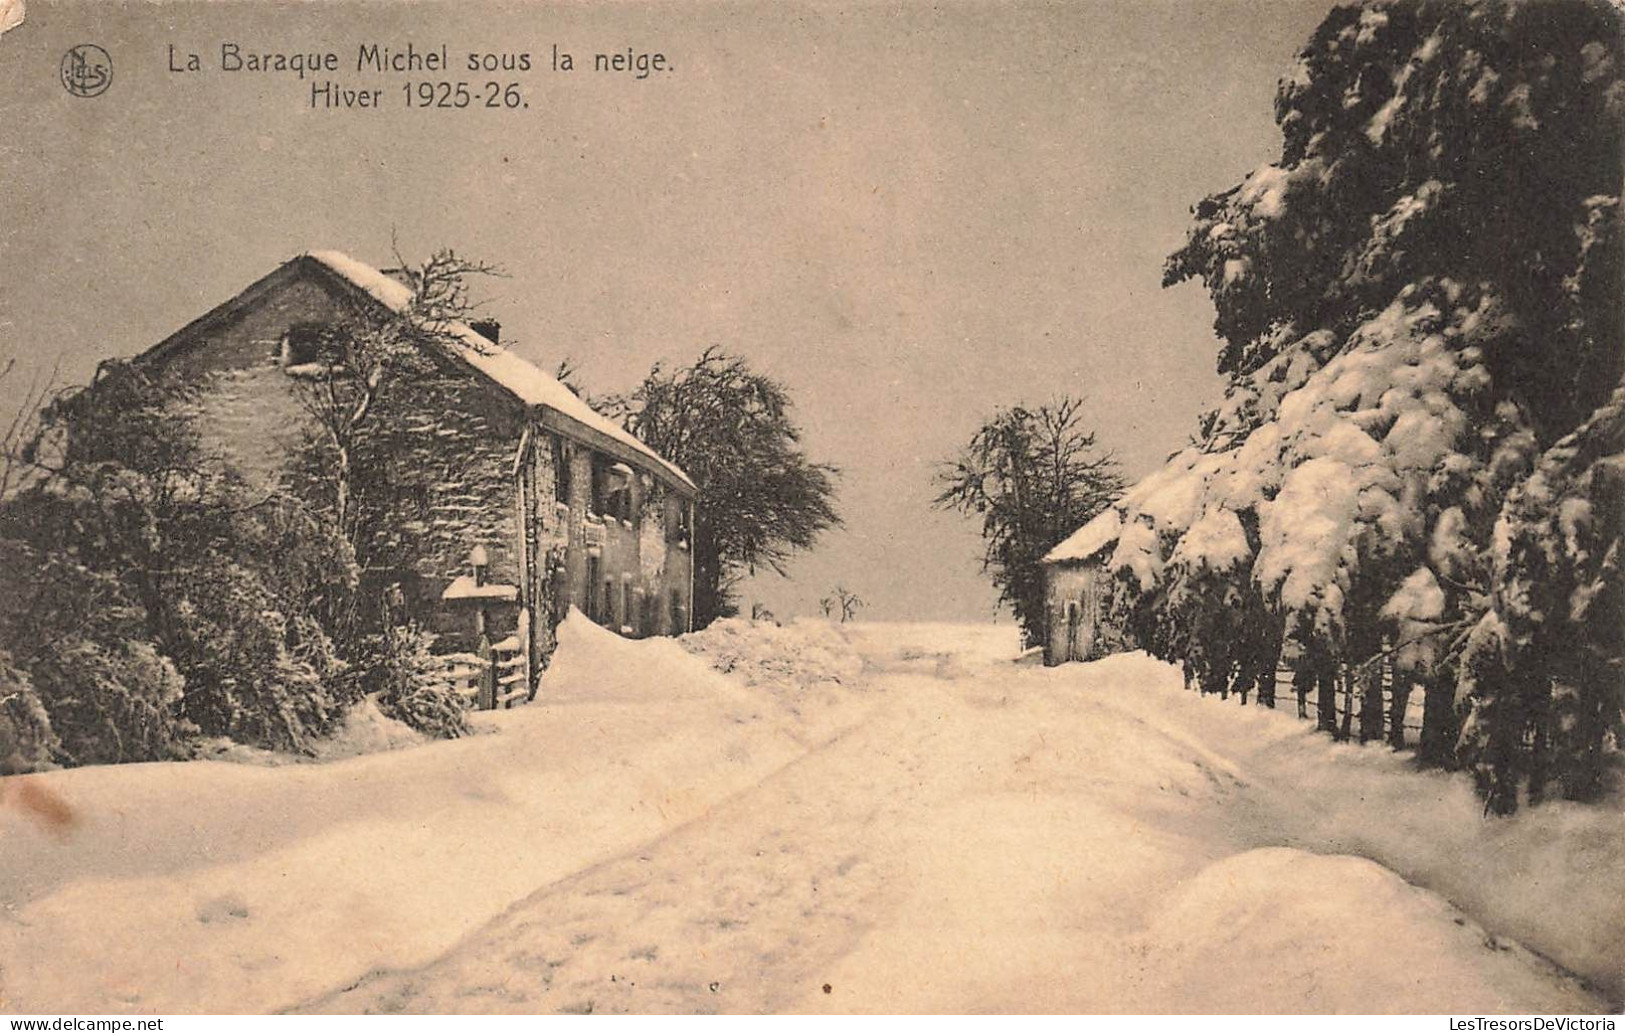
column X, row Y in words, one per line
column 812, row 818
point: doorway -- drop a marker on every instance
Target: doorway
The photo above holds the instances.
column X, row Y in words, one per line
column 1074, row 621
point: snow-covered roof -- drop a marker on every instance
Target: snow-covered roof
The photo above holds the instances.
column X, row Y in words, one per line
column 1088, row 539
column 463, row 587
column 525, row 381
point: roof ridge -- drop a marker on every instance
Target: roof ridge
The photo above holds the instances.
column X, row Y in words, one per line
column 512, row 372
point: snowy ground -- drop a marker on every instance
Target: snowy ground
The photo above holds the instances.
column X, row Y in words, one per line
column 868, row 818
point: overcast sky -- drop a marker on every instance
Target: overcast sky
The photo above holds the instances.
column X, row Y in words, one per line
column 910, row 213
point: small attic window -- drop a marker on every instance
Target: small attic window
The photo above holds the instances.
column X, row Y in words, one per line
column 302, row 344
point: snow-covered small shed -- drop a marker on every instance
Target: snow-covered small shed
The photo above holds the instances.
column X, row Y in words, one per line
column 1075, row 582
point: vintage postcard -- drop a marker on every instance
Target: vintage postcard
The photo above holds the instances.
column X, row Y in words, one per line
column 813, row 507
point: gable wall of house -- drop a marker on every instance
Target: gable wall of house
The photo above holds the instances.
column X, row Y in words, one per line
column 246, row 407
column 443, row 448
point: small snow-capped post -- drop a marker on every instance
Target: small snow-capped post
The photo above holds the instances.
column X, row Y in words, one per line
column 481, row 610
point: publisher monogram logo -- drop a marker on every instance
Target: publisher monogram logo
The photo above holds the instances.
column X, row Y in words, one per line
column 87, row 70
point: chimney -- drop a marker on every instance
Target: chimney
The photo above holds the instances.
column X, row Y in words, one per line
column 490, row 329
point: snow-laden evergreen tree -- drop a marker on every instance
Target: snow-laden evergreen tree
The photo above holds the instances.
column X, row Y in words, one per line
column 1419, row 304
column 1544, row 670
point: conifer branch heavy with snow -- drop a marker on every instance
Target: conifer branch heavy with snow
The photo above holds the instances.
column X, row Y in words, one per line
column 1421, row 329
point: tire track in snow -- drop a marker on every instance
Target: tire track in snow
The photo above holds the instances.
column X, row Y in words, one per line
column 978, row 841
column 727, row 912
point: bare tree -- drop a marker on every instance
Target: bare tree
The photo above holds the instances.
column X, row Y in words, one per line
column 848, row 602
column 357, row 359
column 569, row 374
column 1033, row 476
column 19, row 438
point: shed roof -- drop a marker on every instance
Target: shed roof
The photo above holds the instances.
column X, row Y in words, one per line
column 1089, row 539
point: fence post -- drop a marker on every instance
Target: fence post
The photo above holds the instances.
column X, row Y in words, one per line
column 1371, row 709
column 488, row 675
column 1398, row 706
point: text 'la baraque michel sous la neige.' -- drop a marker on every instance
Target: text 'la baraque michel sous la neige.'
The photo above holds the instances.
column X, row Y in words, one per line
column 381, row 58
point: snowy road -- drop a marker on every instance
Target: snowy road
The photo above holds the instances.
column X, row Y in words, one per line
column 985, row 838
column 914, row 825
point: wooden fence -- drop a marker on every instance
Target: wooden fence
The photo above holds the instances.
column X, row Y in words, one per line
column 1342, row 700
column 494, row 677
column 1413, row 707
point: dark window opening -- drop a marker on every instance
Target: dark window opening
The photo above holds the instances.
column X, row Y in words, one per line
column 679, row 613
column 651, row 615
column 594, row 611
column 561, row 471
column 306, row 343
column 611, row 488
column 650, row 499
column 561, row 588
column 420, row 499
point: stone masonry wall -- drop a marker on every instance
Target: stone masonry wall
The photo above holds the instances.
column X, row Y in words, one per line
column 435, row 478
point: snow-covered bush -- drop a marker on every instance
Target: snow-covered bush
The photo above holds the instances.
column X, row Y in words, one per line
column 406, row 680
column 112, row 702
column 251, row 636
column 155, row 597
column 80, row 651
column 26, row 740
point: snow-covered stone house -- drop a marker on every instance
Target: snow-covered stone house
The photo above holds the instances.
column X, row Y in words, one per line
column 1075, row 586
column 485, row 455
